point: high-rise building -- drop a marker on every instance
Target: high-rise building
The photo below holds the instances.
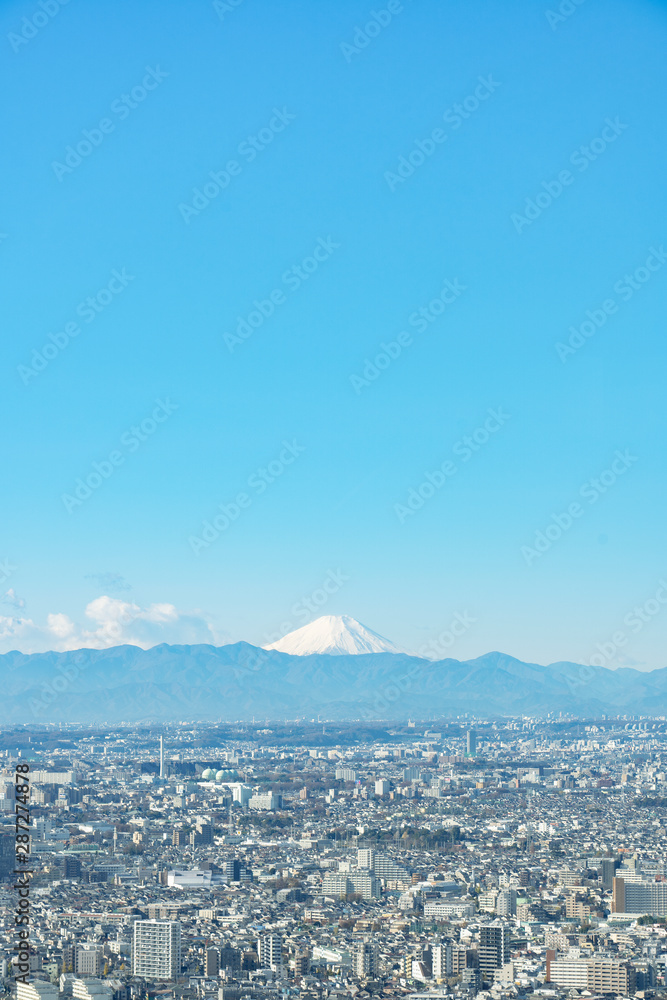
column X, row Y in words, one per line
column 494, row 948
column 70, row 866
column 156, row 949
column 506, row 903
column 385, row 867
column 597, row 975
column 337, row 884
column 365, row 857
column 201, row 835
column 7, row 853
column 241, row 793
column 230, row 958
column 366, row 883
column 270, row 952
column 441, row 960
column 639, row 897
column 345, row 774
column 471, row 743
column 268, row 801
column 382, row 786
column 365, row 958
column 211, row 962
column 608, row 868
column 231, row 869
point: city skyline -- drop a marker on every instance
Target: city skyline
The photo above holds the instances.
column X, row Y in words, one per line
column 515, row 858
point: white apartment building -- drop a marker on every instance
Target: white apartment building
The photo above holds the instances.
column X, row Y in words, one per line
column 365, row 957
column 91, row 989
column 156, row 949
column 37, row 990
column 435, row 908
column 270, row 951
column 267, row 801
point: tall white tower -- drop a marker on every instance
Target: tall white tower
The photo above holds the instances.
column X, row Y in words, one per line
column 162, row 756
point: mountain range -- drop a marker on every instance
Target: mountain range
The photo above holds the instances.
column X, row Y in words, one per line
column 240, row 682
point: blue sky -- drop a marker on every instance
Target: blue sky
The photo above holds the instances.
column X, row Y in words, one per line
column 531, row 149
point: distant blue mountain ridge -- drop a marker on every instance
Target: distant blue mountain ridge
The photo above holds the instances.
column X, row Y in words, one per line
column 240, row 681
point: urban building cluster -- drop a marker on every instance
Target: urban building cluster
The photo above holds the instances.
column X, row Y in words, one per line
column 500, row 859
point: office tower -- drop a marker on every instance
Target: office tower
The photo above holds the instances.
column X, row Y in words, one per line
column 156, row 949
column 212, row 962
column 270, row 951
column 471, row 743
column 494, row 948
column 365, row 958
column 382, row 786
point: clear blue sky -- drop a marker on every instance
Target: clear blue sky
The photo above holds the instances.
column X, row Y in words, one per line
column 333, row 111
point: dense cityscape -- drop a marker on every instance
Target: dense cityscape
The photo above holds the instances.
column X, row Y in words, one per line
column 489, row 858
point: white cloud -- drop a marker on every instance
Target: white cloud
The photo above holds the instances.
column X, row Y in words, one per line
column 111, row 622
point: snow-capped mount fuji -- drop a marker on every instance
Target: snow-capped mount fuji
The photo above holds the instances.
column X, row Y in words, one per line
column 337, row 635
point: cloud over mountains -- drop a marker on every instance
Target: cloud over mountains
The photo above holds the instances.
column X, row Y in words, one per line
column 110, row 622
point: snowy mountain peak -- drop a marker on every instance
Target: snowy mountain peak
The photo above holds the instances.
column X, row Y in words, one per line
column 337, row 635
